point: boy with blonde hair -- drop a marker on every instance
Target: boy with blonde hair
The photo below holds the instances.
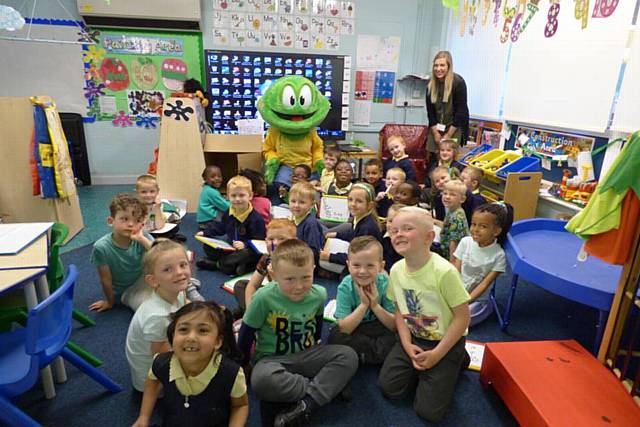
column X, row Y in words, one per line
column 396, row 145
column 302, row 198
column 393, row 178
column 149, row 192
column 455, row 226
column 472, row 177
column 432, row 315
column 364, row 313
column 239, row 224
column 287, row 316
column 118, row 255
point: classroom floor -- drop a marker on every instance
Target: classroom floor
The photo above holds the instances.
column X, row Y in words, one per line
column 537, row 315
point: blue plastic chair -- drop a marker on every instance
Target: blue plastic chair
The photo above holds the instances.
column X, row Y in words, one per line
column 25, row 351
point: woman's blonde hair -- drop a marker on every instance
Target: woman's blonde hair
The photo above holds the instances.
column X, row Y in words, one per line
column 448, row 79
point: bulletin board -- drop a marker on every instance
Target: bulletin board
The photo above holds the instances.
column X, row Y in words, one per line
column 37, row 68
column 130, row 73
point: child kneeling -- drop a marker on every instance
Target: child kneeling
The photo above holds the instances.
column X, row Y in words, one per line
column 365, row 315
column 287, row 316
column 432, row 315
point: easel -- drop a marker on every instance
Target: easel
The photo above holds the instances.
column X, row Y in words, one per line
column 16, row 200
column 180, row 157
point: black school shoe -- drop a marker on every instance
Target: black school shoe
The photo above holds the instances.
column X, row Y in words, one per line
column 207, row 264
column 296, row 416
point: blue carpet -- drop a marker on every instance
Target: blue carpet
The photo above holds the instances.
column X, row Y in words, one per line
column 537, row 315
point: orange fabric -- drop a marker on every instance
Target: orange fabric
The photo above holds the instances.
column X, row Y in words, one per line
column 614, row 245
column 153, row 166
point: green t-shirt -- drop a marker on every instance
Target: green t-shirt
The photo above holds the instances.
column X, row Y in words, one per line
column 425, row 297
column 348, row 299
column 284, row 326
column 125, row 264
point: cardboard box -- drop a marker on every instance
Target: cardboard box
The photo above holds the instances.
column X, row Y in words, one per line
column 233, row 152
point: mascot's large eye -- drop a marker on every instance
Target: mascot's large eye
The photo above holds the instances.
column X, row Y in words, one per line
column 288, row 97
column 305, row 97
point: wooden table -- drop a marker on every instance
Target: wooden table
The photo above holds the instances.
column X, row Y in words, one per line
column 23, row 264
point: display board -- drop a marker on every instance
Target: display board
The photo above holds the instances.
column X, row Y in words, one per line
column 548, row 63
column 236, row 79
column 481, row 60
column 42, row 68
column 627, row 113
column 564, row 75
column 130, row 73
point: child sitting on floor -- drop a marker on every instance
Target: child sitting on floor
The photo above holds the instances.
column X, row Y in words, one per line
column 287, row 316
column 309, row 230
column 431, row 317
column 343, row 180
column 399, row 159
column 472, row 176
column 167, row 271
column 239, row 224
column 455, row 225
column 480, row 257
column 278, row 230
column 201, row 380
column 331, row 157
column 260, row 201
column 211, row 205
column 364, row 313
column 118, row 255
column 393, row 178
column 362, row 208
column 373, row 175
column 300, row 173
column 148, row 191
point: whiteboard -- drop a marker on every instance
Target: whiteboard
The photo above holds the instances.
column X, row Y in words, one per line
column 627, row 113
column 568, row 80
column 481, row 60
column 53, row 69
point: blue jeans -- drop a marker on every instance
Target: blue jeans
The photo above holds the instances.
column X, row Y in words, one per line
column 283, row 177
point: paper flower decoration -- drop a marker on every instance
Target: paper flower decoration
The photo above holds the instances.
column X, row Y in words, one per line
column 149, row 122
column 92, row 89
column 10, row 19
column 94, row 54
column 122, row 119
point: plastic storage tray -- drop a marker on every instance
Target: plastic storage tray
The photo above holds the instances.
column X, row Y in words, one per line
column 493, row 166
column 523, row 164
column 486, row 158
column 481, row 149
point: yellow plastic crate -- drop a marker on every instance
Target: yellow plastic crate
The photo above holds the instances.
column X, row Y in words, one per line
column 486, row 158
column 494, row 165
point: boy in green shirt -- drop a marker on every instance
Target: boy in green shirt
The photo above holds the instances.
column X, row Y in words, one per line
column 287, row 315
column 432, row 316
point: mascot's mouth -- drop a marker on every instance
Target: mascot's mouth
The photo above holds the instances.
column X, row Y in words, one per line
column 294, row 117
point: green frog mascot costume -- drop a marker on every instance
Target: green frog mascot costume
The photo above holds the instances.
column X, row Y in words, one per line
column 293, row 106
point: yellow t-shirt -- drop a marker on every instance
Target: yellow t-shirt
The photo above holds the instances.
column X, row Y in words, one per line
column 425, row 297
column 326, row 179
column 291, row 152
column 192, row 386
